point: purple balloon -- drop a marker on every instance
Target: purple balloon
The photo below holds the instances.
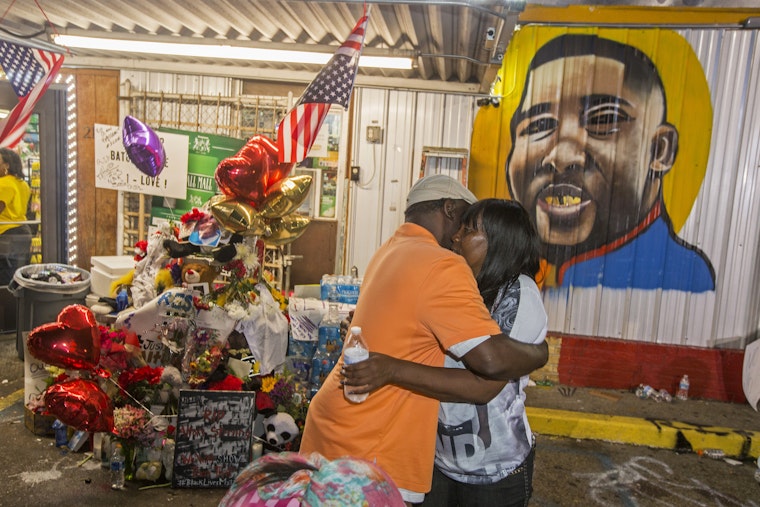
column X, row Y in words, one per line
column 143, row 147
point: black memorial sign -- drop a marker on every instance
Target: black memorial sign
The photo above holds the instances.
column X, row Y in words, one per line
column 213, row 439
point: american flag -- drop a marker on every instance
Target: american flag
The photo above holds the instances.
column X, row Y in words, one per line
column 30, row 72
column 333, row 85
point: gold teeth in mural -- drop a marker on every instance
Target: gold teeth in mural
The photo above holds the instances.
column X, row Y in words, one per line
column 563, row 200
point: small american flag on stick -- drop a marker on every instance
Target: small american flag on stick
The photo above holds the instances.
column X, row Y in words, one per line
column 333, row 85
column 30, row 72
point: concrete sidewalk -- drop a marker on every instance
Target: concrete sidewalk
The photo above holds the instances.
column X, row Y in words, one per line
column 622, row 417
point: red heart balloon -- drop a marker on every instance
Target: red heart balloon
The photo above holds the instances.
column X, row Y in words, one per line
column 251, row 171
column 81, row 404
column 72, row 342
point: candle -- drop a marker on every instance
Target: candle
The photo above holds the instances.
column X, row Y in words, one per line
column 258, row 449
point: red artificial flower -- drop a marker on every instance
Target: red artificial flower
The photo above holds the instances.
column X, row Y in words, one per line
column 263, row 402
column 199, row 304
column 237, row 268
column 113, row 355
column 192, row 216
column 147, row 373
column 229, row 383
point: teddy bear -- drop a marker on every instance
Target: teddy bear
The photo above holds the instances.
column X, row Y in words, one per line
column 280, row 429
column 198, row 272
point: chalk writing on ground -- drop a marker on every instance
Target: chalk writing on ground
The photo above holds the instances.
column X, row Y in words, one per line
column 646, row 479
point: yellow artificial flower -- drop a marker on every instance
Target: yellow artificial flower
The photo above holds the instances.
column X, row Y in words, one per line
column 267, row 384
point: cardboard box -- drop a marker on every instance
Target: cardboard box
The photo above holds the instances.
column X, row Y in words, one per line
column 107, row 269
column 41, row 425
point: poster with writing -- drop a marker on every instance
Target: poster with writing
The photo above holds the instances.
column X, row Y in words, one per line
column 114, row 170
column 213, row 437
column 204, row 152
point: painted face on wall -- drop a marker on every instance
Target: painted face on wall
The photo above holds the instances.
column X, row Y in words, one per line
column 589, row 151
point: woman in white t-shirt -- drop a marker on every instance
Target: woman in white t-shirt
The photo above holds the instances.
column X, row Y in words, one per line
column 484, row 447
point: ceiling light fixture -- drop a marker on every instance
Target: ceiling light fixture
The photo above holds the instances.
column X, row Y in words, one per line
column 221, row 51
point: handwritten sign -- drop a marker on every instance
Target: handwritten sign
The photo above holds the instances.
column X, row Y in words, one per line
column 114, row 170
column 213, row 438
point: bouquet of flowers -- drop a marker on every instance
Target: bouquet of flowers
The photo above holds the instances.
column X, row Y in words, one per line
column 283, row 392
column 139, row 386
column 203, row 354
column 240, row 292
column 134, row 426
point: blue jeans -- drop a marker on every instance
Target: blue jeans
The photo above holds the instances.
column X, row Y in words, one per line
column 514, row 490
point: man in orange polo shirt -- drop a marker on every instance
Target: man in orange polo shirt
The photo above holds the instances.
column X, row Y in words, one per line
column 418, row 300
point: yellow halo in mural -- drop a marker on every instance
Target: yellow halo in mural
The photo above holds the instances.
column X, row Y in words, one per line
column 689, row 110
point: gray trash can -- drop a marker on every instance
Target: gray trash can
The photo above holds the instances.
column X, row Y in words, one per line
column 42, row 291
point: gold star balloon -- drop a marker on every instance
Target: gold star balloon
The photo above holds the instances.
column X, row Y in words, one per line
column 286, row 196
column 286, row 229
column 237, row 216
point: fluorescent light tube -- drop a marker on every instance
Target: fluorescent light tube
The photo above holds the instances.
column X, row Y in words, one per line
column 221, row 51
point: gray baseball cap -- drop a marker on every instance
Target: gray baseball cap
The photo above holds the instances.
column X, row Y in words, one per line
column 438, row 186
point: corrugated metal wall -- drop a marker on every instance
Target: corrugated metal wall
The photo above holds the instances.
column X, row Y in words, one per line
column 410, row 120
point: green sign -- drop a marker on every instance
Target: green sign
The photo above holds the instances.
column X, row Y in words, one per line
column 205, row 153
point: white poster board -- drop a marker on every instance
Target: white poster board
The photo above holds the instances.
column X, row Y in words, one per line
column 114, row 170
column 319, row 148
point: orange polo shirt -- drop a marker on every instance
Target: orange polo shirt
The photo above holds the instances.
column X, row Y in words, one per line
column 416, row 300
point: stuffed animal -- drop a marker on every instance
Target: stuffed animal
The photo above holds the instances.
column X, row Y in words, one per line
column 194, row 272
column 280, row 429
column 144, row 282
column 123, row 282
column 141, row 250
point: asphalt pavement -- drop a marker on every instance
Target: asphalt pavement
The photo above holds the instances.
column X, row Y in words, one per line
column 594, row 447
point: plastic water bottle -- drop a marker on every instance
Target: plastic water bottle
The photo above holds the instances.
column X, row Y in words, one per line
column 105, row 450
column 712, row 453
column 355, row 350
column 61, row 434
column 683, row 389
column 645, row 391
column 117, row 467
column 328, row 344
column 326, row 285
column 122, row 300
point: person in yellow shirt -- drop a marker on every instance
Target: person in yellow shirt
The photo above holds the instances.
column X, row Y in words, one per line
column 15, row 237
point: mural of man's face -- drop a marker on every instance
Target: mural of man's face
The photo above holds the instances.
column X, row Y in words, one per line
column 589, row 151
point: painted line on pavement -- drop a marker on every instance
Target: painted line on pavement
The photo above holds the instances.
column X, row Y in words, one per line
column 11, row 399
column 658, row 433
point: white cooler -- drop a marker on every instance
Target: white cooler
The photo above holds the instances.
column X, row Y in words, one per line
column 106, row 270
